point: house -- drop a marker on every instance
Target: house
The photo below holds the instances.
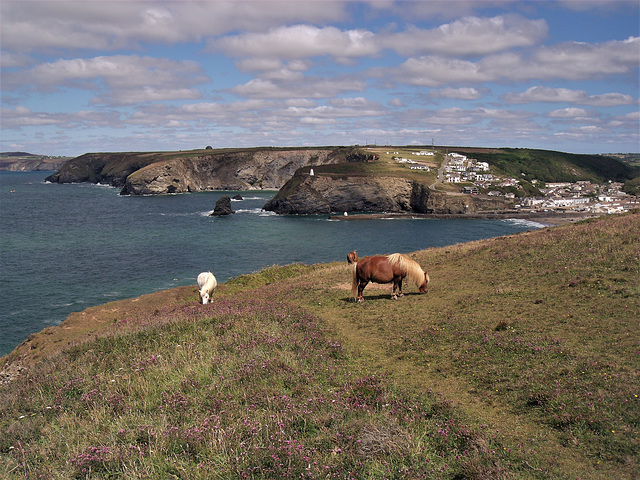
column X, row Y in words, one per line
column 453, row 178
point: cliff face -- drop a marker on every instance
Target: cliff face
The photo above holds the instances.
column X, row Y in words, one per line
column 261, row 169
column 323, row 194
column 30, row 165
column 108, row 168
column 178, row 172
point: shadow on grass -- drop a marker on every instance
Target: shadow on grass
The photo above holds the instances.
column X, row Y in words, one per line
column 382, row 296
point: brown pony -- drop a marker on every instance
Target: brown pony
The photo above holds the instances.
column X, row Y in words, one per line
column 386, row 269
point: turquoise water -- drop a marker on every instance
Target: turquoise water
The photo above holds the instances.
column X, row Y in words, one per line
column 64, row 248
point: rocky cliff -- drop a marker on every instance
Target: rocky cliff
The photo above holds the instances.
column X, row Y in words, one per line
column 324, row 194
column 108, row 168
column 178, row 172
column 27, row 162
column 260, row 169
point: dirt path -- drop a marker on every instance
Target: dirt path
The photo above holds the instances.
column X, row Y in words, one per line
column 367, row 339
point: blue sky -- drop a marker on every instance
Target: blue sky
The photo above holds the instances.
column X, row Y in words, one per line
column 96, row 76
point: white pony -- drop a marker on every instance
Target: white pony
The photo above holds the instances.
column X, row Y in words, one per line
column 207, row 283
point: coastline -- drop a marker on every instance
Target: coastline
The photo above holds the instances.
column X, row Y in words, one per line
column 545, row 218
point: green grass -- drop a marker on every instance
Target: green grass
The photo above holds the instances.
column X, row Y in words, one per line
column 521, row 362
column 551, row 166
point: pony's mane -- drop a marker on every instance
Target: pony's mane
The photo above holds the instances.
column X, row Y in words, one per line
column 412, row 268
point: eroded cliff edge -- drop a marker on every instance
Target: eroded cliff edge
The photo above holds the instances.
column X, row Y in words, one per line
column 319, row 194
column 197, row 170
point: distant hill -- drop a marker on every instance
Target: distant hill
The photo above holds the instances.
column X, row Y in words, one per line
column 552, row 166
column 26, row 162
column 270, row 167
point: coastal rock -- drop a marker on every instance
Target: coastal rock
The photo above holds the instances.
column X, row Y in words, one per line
column 150, row 173
column 242, row 170
column 325, row 194
column 107, row 168
column 223, row 207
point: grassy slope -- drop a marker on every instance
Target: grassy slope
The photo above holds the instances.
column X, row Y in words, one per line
column 551, row 166
column 520, row 362
column 523, row 164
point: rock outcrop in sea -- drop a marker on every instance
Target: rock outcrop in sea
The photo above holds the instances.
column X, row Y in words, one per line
column 325, row 194
column 223, row 207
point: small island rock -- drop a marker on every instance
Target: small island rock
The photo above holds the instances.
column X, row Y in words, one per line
column 223, row 207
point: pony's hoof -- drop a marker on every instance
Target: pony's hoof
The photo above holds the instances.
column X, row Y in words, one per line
column 394, row 297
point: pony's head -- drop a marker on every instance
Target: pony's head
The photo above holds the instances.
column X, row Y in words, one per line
column 425, row 286
column 352, row 257
column 205, row 297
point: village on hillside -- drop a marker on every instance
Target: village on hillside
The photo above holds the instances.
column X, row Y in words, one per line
column 580, row 196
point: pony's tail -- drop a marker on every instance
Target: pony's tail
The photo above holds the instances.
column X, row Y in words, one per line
column 354, row 282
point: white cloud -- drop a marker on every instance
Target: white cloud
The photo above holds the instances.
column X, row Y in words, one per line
column 299, row 41
column 580, row 61
column 569, row 61
column 497, row 113
column 565, row 95
column 16, row 118
column 433, row 71
column 634, row 116
column 464, row 93
column 309, row 87
column 13, row 60
column 470, row 36
column 610, row 100
column 449, row 116
column 545, row 94
column 353, row 102
column 278, row 71
column 147, row 94
column 31, row 25
column 124, row 79
column 570, row 113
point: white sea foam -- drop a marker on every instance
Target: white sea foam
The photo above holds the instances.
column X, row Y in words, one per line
column 248, row 198
column 525, row 223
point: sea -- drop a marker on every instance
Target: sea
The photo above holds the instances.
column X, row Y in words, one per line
column 64, row 248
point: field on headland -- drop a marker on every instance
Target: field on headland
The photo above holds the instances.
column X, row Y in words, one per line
column 521, row 362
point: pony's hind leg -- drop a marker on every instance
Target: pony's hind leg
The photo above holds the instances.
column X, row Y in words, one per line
column 361, row 286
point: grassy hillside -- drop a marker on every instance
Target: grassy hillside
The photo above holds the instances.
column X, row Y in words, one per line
column 521, row 362
column 551, row 166
column 523, row 164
